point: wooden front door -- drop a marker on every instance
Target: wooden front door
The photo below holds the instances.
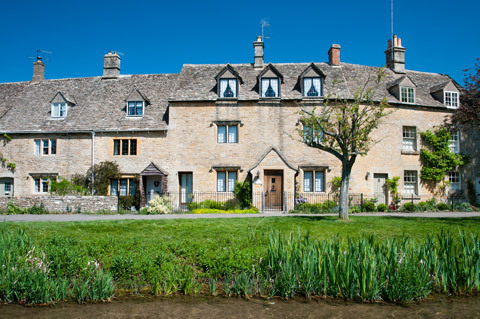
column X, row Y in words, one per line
column 273, row 189
column 380, row 189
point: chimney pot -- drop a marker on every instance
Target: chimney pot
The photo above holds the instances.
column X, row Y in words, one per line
column 258, row 57
column 38, row 70
column 111, row 65
column 395, row 55
column 334, row 55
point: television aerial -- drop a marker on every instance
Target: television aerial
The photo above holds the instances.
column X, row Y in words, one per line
column 264, row 24
column 39, row 55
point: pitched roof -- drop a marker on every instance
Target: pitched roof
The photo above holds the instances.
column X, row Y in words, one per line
column 197, row 82
column 99, row 104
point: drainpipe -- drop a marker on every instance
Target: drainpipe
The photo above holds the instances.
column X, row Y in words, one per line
column 93, row 159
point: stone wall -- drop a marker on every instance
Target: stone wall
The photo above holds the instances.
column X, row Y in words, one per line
column 74, row 204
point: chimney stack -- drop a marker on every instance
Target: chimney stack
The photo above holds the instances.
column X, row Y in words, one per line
column 334, row 55
column 38, row 70
column 258, row 46
column 395, row 55
column 111, row 65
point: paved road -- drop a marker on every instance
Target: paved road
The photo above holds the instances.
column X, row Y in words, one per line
column 91, row 217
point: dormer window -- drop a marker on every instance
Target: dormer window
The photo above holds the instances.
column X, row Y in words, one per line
column 270, row 87
column 228, row 88
column 59, row 109
column 407, row 94
column 312, row 87
column 451, row 99
column 135, row 108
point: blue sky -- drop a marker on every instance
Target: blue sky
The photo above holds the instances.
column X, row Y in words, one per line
column 158, row 37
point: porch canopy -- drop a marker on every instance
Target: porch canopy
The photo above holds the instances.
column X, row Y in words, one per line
column 151, row 170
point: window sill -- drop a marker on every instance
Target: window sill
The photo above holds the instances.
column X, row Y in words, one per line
column 134, row 116
column 410, row 152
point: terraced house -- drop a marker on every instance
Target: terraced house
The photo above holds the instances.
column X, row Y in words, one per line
column 211, row 125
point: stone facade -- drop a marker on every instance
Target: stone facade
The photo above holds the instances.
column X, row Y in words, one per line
column 65, row 204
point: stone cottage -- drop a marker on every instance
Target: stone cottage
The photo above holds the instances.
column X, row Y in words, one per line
column 208, row 126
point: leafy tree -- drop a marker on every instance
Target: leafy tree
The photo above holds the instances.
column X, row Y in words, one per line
column 468, row 114
column 103, row 173
column 437, row 158
column 342, row 127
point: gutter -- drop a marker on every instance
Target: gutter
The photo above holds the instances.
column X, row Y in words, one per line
column 93, row 159
column 82, row 132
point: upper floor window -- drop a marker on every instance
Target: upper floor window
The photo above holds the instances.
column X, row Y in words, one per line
column 312, row 135
column 59, row 109
column 454, row 142
column 227, row 133
column 135, row 108
column 409, row 138
column 228, row 88
column 270, row 87
column 125, row 147
column 407, row 94
column 455, row 182
column 410, row 182
column 45, row 147
column 226, row 181
column 451, row 99
column 312, row 87
column 313, row 181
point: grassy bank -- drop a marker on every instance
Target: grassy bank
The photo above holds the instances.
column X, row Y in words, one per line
column 192, row 256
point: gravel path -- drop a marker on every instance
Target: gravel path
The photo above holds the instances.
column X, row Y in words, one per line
column 91, row 217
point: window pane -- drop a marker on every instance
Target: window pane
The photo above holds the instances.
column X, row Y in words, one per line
column 409, row 138
column 37, row 147
column 53, row 147
column 133, row 147
column 55, row 110
column 221, row 181
column 132, row 189
column 131, row 108
column 410, row 182
column 116, row 147
column 63, row 109
column 139, row 110
column 311, row 86
column 124, row 147
column 123, row 187
column 37, row 185
column 307, row 181
column 319, row 181
column 113, row 187
column 232, row 178
column 232, row 134
column 454, row 178
column 455, row 142
column 45, row 185
column 222, row 134
column 45, row 147
column 270, row 87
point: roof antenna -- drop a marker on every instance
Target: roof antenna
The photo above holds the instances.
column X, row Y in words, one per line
column 264, row 23
column 38, row 57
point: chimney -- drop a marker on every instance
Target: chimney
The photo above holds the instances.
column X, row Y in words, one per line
column 395, row 55
column 334, row 55
column 111, row 65
column 258, row 46
column 38, row 70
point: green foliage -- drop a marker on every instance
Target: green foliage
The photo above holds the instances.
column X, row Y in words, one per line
column 409, row 207
column 442, row 206
column 211, row 204
column 392, row 184
column 103, row 173
column 65, row 187
column 471, row 193
column 382, row 207
column 243, row 193
column 219, row 211
column 7, row 137
column 355, row 209
column 159, row 205
column 369, row 206
column 437, row 158
column 11, row 166
column 335, row 184
column 127, row 202
column 327, row 206
column 36, row 209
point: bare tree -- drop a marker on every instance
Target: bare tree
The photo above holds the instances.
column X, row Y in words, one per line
column 342, row 127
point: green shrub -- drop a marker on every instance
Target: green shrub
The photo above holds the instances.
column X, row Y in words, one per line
column 464, row 207
column 423, row 206
column 159, row 205
column 13, row 209
column 354, row 209
column 219, row 211
column 64, row 187
column 382, row 207
column 127, row 202
column 243, row 193
column 36, row 209
column 369, row 206
column 409, row 207
column 442, row 206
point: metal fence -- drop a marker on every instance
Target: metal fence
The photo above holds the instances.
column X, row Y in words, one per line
column 287, row 201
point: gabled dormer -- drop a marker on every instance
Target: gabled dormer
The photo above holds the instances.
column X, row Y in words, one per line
column 135, row 103
column 403, row 89
column 447, row 93
column 311, row 81
column 270, row 80
column 228, row 82
column 60, row 104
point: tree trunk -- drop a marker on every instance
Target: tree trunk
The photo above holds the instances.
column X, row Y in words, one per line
column 343, row 210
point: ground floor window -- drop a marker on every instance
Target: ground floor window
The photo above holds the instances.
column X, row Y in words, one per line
column 455, row 182
column 42, row 184
column 314, row 181
column 123, row 186
column 410, row 183
column 226, row 181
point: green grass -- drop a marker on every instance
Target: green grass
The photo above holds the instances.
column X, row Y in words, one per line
column 169, row 256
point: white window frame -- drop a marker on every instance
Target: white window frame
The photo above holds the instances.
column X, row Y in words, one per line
column 263, row 89
column 135, row 108
column 410, row 182
column 59, row 110
column 315, row 184
column 454, row 143
column 451, row 99
column 311, row 80
column 41, row 185
column 409, row 138
column 229, row 134
column 226, row 181
column 310, row 135
column 45, row 146
column 455, row 181
column 407, row 94
column 223, row 84
column 8, row 192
